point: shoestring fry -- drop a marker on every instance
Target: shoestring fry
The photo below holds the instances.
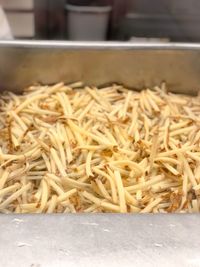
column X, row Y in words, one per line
column 76, row 148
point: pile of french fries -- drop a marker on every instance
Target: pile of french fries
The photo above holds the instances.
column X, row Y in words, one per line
column 74, row 148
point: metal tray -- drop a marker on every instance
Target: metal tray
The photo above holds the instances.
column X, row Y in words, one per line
column 135, row 65
column 100, row 239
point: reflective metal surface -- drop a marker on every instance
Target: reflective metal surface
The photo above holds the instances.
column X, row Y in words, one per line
column 135, row 65
column 99, row 240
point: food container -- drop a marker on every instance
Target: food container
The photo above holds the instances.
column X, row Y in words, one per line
column 87, row 22
column 100, row 239
column 17, row 20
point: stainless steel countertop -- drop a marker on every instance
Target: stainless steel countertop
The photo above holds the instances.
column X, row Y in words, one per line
column 98, row 240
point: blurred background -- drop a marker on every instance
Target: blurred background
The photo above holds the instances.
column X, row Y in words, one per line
column 127, row 20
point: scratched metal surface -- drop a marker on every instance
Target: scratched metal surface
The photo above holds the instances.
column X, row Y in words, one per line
column 100, row 240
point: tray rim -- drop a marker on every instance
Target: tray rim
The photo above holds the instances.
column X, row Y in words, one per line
column 97, row 45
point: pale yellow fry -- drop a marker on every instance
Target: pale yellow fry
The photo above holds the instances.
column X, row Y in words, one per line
column 130, row 199
column 52, row 204
column 9, row 189
column 146, row 184
column 14, row 196
column 29, row 100
column 99, row 202
column 121, row 193
column 56, row 187
column 111, row 181
column 3, row 178
column 58, row 162
column 151, row 205
column 44, row 196
column 66, row 195
column 88, row 164
column 74, row 183
column 102, row 189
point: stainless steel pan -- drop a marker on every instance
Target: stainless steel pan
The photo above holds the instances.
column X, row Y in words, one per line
column 135, row 65
column 100, row 239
